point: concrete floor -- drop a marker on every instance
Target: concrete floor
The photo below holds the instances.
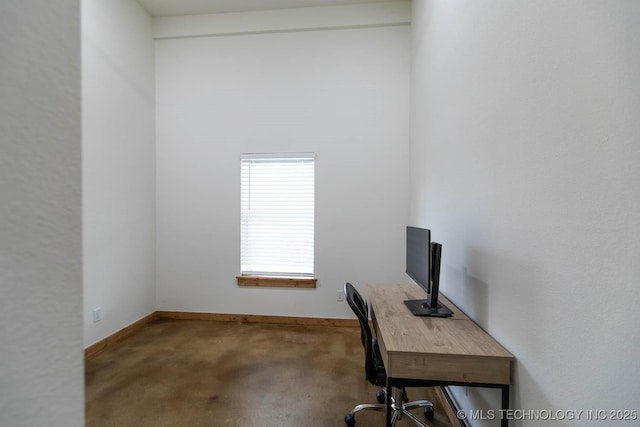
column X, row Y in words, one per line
column 208, row 373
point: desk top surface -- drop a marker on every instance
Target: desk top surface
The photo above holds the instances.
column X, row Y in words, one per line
column 402, row 332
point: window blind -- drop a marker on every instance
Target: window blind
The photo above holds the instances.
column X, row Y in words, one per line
column 277, row 214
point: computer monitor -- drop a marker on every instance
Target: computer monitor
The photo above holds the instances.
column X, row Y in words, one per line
column 423, row 266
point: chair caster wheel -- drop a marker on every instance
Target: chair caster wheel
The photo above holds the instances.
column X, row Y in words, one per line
column 428, row 413
column 380, row 396
column 350, row 420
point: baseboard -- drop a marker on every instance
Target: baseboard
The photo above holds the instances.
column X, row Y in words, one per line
column 253, row 318
column 107, row 342
column 450, row 406
column 101, row 345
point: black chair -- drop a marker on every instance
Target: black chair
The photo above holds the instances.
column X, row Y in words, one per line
column 374, row 369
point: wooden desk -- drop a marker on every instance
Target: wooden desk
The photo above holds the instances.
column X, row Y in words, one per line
column 441, row 351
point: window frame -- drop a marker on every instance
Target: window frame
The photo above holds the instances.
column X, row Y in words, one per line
column 275, row 277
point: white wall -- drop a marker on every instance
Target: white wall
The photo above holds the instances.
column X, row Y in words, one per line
column 118, row 165
column 343, row 94
column 41, row 381
column 525, row 165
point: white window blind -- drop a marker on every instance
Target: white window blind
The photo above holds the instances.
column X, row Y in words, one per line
column 277, row 214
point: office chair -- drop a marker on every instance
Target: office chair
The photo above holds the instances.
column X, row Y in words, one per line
column 374, row 369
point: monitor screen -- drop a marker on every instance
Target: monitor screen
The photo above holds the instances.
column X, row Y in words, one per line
column 423, row 266
column 419, row 256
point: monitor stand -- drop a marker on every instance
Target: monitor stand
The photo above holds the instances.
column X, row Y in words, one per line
column 421, row 307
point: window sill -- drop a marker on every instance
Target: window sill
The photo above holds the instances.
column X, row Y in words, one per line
column 277, row 282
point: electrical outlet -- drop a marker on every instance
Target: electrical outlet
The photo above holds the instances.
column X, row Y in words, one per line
column 340, row 295
column 97, row 315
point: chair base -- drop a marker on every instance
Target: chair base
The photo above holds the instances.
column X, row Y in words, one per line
column 398, row 411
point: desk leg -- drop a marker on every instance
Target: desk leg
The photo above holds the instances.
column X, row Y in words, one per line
column 504, row 422
column 388, row 401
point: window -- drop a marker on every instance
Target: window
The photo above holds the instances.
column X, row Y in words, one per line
column 277, row 218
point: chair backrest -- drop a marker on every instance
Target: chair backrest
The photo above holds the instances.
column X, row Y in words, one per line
column 360, row 308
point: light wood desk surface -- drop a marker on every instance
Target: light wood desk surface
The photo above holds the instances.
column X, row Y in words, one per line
column 452, row 349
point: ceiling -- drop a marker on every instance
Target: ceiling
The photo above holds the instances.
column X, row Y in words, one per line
column 196, row 7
